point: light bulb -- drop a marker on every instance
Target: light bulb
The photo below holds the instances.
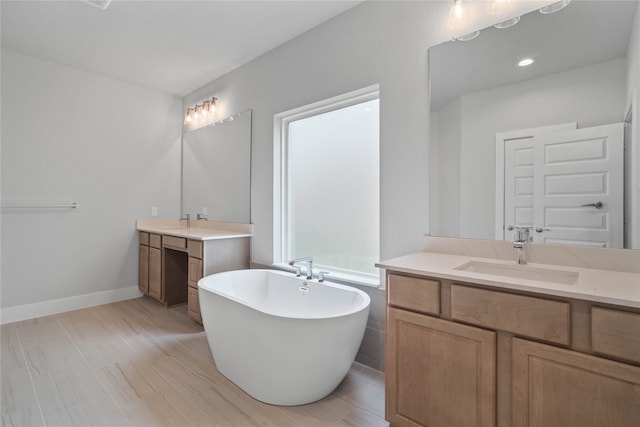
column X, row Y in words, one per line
column 212, row 105
column 188, row 119
column 458, row 15
column 205, row 108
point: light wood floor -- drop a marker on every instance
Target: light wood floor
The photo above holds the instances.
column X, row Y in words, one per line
column 136, row 363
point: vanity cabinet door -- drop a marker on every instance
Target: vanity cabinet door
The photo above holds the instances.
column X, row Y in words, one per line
column 194, row 274
column 558, row 387
column 439, row 373
column 143, row 269
column 193, row 305
column 195, row 249
column 155, row 273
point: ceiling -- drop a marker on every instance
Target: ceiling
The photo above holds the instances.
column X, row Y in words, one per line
column 174, row 46
column 583, row 33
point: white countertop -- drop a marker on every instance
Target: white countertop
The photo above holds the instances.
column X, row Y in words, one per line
column 196, row 233
column 606, row 286
column 201, row 230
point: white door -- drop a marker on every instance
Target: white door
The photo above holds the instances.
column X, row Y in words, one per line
column 578, row 187
column 518, row 185
column 514, row 177
column 567, row 186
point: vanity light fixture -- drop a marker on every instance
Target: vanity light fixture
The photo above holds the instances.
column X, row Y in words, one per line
column 508, row 23
column 554, row 7
column 458, row 15
column 200, row 111
column 526, row 62
column 193, row 124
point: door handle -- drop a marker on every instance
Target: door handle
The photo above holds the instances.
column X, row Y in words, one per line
column 597, row 205
column 540, row 229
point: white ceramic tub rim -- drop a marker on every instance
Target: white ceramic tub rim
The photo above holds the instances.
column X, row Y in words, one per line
column 363, row 304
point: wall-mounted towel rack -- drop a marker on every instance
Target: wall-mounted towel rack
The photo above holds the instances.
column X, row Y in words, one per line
column 39, row 205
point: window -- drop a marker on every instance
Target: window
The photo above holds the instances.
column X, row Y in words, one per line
column 329, row 193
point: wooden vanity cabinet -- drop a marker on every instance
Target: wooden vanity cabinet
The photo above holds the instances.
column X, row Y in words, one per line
column 170, row 266
column 195, row 273
column 558, row 387
column 150, row 264
column 439, row 373
column 143, row 263
column 482, row 356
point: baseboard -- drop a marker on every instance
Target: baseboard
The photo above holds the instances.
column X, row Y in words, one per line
column 46, row 308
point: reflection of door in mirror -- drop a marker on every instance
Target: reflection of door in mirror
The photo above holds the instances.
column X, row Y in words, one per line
column 586, row 75
column 567, row 186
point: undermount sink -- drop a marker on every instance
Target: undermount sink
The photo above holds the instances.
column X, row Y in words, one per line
column 520, row 272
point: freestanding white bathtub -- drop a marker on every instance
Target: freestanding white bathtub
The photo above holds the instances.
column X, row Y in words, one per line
column 282, row 339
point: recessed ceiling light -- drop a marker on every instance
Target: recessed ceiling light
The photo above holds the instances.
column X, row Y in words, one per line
column 553, row 8
column 526, row 62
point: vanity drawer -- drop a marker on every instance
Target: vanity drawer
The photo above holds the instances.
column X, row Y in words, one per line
column 155, row 240
column 144, row 238
column 194, row 247
column 414, row 293
column 175, row 242
column 615, row 333
column 527, row 316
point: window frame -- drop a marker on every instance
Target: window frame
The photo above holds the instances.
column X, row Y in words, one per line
column 281, row 179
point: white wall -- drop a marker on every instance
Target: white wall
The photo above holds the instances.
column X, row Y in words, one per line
column 591, row 96
column 375, row 42
column 632, row 181
column 446, row 143
column 112, row 147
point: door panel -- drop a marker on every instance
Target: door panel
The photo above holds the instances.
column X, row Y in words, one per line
column 573, row 171
column 567, row 186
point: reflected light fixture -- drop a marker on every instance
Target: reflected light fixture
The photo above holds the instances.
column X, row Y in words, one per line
column 508, row 23
column 469, row 36
column 554, row 7
column 458, row 15
column 525, row 62
column 497, row 7
column 100, row 4
column 188, row 118
column 200, row 111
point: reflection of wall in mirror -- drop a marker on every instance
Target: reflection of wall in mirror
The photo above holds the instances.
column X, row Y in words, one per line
column 592, row 95
column 216, row 171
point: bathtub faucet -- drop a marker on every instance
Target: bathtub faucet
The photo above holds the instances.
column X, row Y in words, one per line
column 308, row 260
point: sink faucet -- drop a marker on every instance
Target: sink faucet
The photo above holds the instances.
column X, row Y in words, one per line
column 186, row 217
column 522, row 237
column 308, row 260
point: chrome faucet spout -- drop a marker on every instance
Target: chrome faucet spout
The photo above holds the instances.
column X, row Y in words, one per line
column 522, row 237
column 187, row 218
column 520, row 255
column 308, row 260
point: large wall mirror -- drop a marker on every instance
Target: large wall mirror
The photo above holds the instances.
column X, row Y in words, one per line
column 216, row 170
column 539, row 146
